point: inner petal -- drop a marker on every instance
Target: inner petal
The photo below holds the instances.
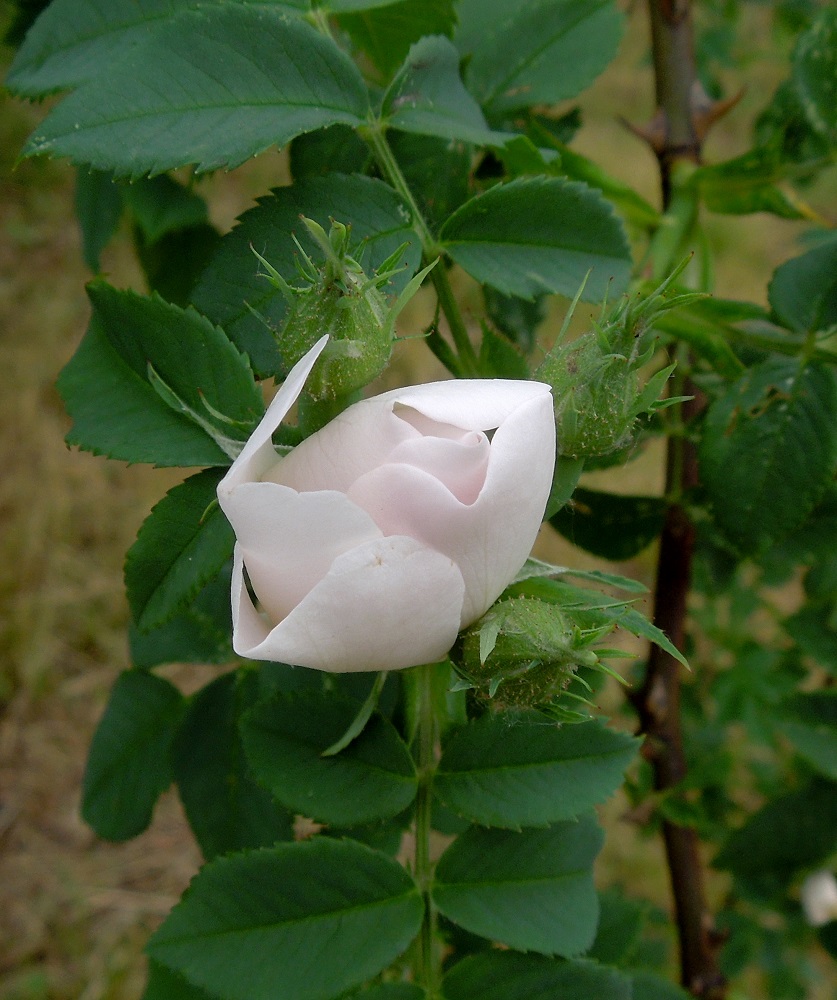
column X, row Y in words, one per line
column 459, row 464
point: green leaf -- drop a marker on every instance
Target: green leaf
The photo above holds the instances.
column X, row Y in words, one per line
column 146, row 378
column 427, row 96
column 74, row 40
column 500, row 358
column 649, row 986
column 129, row 766
column 161, row 205
column 809, row 721
column 510, row 771
column 380, row 224
column 342, row 911
column 803, row 291
column 98, row 208
column 337, row 149
column 517, row 318
column 816, row 637
column 180, row 547
column 173, row 263
column 436, row 170
column 769, row 450
column 537, row 235
column 504, row 975
column 227, row 810
column 515, row 50
column 610, row 525
column 386, row 34
column 791, row 833
column 532, row 890
column 576, row 167
column 285, row 736
column 708, row 336
column 199, row 634
column 815, row 73
column 637, row 624
column 748, row 183
column 163, row 984
column 621, row 923
column 390, row 991
column 213, row 87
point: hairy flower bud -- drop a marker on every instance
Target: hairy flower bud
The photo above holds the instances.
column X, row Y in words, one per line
column 522, row 652
column 595, row 379
column 340, row 300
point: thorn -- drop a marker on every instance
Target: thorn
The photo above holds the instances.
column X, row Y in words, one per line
column 706, row 112
column 655, row 133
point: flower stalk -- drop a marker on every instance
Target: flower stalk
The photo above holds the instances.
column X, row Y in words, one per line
column 424, row 971
column 382, row 151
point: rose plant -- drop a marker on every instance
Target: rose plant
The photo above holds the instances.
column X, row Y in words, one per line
column 375, row 827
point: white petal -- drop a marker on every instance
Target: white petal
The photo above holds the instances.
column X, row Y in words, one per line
column 259, row 454
column 288, row 540
column 388, row 604
column 473, row 404
column 460, row 465
column 491, row 538
column 357, row 440
column 364, row 436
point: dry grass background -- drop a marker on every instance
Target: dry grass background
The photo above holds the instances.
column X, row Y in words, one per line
column 74, row 912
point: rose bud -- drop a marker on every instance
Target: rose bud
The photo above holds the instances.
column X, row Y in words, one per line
column 596, row 379
column 373, row 542
column 523, row 652
column 338, row 298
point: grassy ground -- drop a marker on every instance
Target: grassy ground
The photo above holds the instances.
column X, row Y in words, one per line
column 74, row 912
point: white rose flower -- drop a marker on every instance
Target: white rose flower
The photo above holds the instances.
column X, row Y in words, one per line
column 819, row 898
column 373, row 542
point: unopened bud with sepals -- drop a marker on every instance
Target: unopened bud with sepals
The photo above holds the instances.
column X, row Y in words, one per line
column 595, row 379
column 338, row 298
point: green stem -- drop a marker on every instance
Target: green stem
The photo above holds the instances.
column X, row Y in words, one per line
column 425, row 966
column 375, row 137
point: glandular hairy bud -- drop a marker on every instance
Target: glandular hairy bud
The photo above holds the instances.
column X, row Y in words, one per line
column 522, row 653
column 338, row 298
column 596, row 379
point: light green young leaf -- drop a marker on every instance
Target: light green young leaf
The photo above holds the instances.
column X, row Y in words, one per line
column 531, row 890
column 542, row 234
column 535, row 567
column 213, row 87
column 344, row 912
